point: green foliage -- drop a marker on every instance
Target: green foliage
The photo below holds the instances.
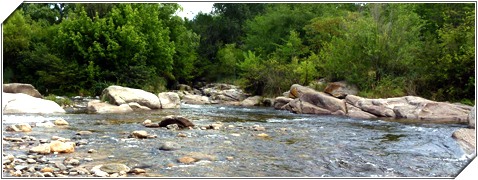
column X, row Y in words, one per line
column 62, row 101
column 385, row 49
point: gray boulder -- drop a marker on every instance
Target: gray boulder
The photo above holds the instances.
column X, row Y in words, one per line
column 123, row 95
column 280, row 101
column 96, row 106
column 472, row 117
column 169, row 100
column 195, row 99
column 252, row 101
column 411, row 107
column 312, row 102
column 27, row 89
column 22, row 103
column 297, row 90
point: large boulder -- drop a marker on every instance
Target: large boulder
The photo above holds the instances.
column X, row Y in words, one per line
column 280, row 101
column 411, row 107
column 22, row 103
column 355, row 112
column 195, row 99
column 297, row 90
column 169, row 100
column 472, row 117
column 466, row 138
column 252, row 101
column 119, row 95
column 96, row 106
column 340, row 89
column 27, row 89
column 313, row 102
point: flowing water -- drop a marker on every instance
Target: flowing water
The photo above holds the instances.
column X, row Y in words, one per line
column 297, row 145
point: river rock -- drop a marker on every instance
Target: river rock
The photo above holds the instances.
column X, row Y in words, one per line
column 27, row 89
column 224, row 92
column 114, row 168
column 137, row 107
column 411, row 107
column 252, row 101
column 195, row 99
column 297, row 90
column 169, row 146
column 139, row 134
column 96, row 106
column 466, row 138
column 180, row 121
column 41, row 149
column 169, row 100
column 22, row 103
column 316, row 103
column 355, row 112
column 472, row 117
column 267, row 102
column 22, row 127
column 84, row 133
column 119, row 95
column 138, row 171
column 280, row 101
column 61, row 122
column 186, row 160
column 62, row 147
column 340, row 89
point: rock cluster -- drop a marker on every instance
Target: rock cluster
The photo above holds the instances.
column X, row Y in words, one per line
column 118, row 99
column 308, row 101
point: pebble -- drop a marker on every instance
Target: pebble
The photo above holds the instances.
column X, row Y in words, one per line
column 61, row 122
column 235, row 134
column 139, row 134
column 38, row 174
column 138, row 171
column 31, row 161
column 44, row 140
column 263, row 135
column 230, row 158
column 60, row 166
column 186, row 160
column 169, row 146
column 72, row 161
column 112, row 156
column 48, row 174
column 10, row 157
column 259, row 128
column 88, row 159
column 231, row 126
column 20, row 167
column 17, row 173
column 182, row 135
column 147, row 121
column 170, row 165
column 6, row 161
column 47, row 169
column 91, row 151
column 203, row 128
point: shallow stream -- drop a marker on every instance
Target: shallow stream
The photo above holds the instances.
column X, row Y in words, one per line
column 297, row 145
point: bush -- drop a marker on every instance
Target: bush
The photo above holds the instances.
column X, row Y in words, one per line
column 62, row 101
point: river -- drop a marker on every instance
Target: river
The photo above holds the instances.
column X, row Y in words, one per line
column 297, row 145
